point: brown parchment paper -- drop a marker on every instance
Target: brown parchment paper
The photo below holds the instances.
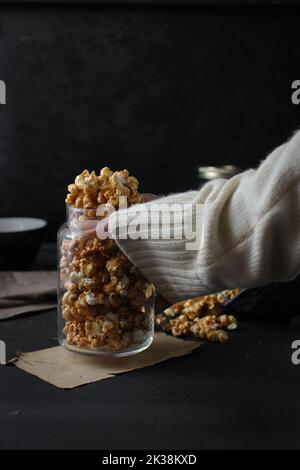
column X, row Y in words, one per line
column 66, row 369
column 26, row 291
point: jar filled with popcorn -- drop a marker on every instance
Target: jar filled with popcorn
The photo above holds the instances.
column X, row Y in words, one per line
column 105, row 304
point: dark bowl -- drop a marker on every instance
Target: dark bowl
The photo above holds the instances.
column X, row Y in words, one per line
column 20, row 240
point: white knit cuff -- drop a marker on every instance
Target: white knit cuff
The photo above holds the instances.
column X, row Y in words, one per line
column 165, row 261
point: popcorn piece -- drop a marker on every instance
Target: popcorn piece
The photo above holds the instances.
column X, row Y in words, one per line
column 122, row 286
column 117, row 183
column 116, row 266
column 75, row 333
column 218, row 336
column 92, row 299
column 87, row 267
column 110, row 286
column 75, row 277
column 170, row 312
column 106, row 172
column 88, row 284
column 69, row 298
column 72, row 284
column 228, row 321
column 160, row 319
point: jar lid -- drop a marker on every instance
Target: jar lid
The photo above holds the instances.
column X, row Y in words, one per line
column 213, row 172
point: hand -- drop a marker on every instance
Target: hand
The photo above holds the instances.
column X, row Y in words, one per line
column 89, row 226
column 148, row 197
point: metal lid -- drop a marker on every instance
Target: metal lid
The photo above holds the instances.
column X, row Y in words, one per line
column 213, row 172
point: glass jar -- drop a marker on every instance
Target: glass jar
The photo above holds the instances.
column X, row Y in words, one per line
column 207, row 173
column 105, row 305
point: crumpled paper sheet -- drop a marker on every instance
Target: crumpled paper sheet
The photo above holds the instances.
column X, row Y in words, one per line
column 66, row 369
column 26, row 291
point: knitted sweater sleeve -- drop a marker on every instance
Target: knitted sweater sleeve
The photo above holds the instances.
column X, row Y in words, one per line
column 246, row 231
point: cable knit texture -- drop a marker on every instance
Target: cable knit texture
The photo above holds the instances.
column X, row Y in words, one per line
column 249, row 231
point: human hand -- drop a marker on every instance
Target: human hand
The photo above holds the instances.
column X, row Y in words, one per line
column 89, row 226
column 148, row 197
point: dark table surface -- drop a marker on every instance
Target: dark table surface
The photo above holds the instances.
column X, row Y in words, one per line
column 242, row 395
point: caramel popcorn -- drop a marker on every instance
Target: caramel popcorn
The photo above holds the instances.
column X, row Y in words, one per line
column 90, row 190
column 201, row 317
column 104, row 303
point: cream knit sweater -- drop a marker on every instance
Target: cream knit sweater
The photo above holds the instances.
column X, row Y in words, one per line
column 248, row 235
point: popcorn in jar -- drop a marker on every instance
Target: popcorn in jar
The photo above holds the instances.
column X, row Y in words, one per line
column 105, row 305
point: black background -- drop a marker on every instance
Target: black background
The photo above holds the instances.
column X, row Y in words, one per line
column 158, row 89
